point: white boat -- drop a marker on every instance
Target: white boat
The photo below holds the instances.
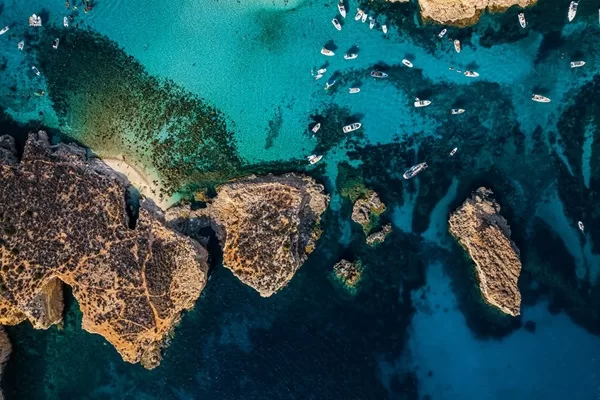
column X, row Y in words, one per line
column 456, row 111
column 350, row 56
column 572, row 10
column 407, row 63
column 364, row 18
column 55, row 43
column 471, row 74
column 21, row 45
column 421, row 103
column 313, row 159
column 577, row 64
column 540, row 98
column 378, row 74
column 457, row 45
column 329, row 84
column 336, row 23
column 453, row 152
column 35, row 20
column 359, row 14
column 4, row 30
column 37, row 71
column 354, row 90
column 384, row 29
column 414, row 170
column 65, row 22
column 371, row 22
column 442, row 33
column 327, row 52
column 342, row 9
column 580, row 225
column 316, row 128
column 352, row 127
column 318, row 76
column 522, row 21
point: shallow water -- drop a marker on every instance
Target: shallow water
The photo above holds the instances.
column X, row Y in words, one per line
column 418, row 308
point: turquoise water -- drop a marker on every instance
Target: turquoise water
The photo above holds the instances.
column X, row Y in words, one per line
column 417, row 326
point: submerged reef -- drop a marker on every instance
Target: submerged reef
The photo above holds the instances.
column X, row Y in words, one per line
column 70, row 226
column 266, row 225
column 464, row 12
column 5, row 350
column 366, row 211
column 348, row 274
column 485, row 235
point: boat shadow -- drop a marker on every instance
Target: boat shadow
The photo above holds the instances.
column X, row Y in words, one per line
column 331, row 45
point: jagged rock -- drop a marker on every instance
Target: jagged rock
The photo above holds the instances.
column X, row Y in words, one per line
column 378, row 237
column 63, row 219
column 366, row 209
column 485, row 235
column 266, row 225
column 5, row 350
column 349, row 274
column 8, row 150
column 464, row 12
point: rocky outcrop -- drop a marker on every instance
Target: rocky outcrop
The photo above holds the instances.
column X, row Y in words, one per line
column 378, row 237
column 485, row 235
column 266, row 225
column 63, row 219
column 348, row 274
column 464, row 12
column 5, row 350
column 366, row 209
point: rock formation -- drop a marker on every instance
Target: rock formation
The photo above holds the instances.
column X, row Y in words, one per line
column 366, row 209
column 378, row 237
column 349, row 274
column 266, row 225
column 63, row 219
column 5, row 350
column 464, row 12
column 485, row 235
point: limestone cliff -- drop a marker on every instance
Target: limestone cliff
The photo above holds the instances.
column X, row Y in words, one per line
column 464, row 12
column 266, row 225
column 485, row 235
column 5, row 350
column 63, row 219
column 366, row 211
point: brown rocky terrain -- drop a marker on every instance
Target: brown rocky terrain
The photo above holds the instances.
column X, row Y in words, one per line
column 5, row 350
column 378, row 237
column 63, row 220
column 485, row 235
column 266, row 225
column 349, row 274
column 366, row 209
column 464, row 12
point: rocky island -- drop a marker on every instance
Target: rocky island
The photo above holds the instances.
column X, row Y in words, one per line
column 485, row 235
column 463, row 13
column 348, row 274
column 378, row 237
column 366, row 211
column 70, row 226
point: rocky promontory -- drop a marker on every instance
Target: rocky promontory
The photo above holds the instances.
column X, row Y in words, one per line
column 485, row 235
column 63, row 220
column 378, row 237
column 266, row 225
column 367, row 209
column 5, row 351
column 464, row 12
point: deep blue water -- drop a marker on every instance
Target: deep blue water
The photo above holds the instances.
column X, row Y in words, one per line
column 231, row 84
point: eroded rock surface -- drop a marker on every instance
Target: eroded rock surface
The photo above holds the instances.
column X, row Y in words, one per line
column 5, row 351
column 485, row 235
column 378, row 237
column 366, row 209
column 464, row 12
column 63, row 219
column 348, row 274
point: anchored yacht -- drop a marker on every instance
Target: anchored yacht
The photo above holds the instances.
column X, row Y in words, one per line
column 354, row 90
column 378, row 74
column 352, row 127
column 442, row 33
column 407, row 63
column 65, row 22
column 522, row 21
column 21, row 45
column 337, row 24
column 342, row 9
column 35, row 20
column 37, row 71
column 55, row 44
column 359, row 14
column 327, row 52
column 580, row 225
column 384, row 29
column 363, row 19
column 316, row 128
column 371, row 22
column 577, row 64
column 4, row 30
column 540, row 98
column 421, row 103
column 350, row 56
column 456, row 111
column 471, row 74
column 453, row 152
column 414, row 170
column 457, row 45
column 313, row 159
column 329, row 83
column 572, row 10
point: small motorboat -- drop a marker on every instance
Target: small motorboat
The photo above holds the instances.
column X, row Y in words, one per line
column 41, row 93
column 453, row 152
column 55, row 43
column 457, row 45
column 384, row 29
column 322, row 71
column 456, row 111
column 350, row 56
column 336, row 23
column 522, row 21
column 407, row 63
column 354, row 90
column 371, row 22
column 316, row 128
column 342, row 9
column 364, row 17
column 318, row 76
column 65, row 22
column 577, row 64
column 572, row 10
column 329, row 84
column 327, row 52
column 378, row 74
column 21, row 45
column 352, row 127
column 359, row 14
column 421, row 103
column 540, row 98
column 4, row 30
column 414, row 170
column 471, row 74
column 37, row 71
column 35, row 20
column 313, row 159
column 442, row 33
column 580, row 225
